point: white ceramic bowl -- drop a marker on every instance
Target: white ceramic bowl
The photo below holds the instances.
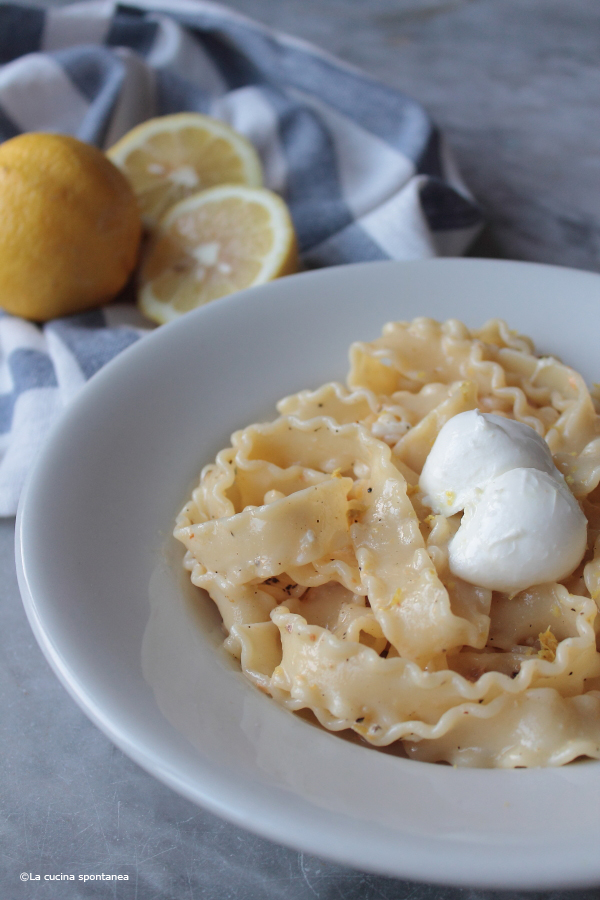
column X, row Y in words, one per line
column 139, row 649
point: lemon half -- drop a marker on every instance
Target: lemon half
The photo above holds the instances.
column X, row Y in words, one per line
column 170, row 157
column 212, row 244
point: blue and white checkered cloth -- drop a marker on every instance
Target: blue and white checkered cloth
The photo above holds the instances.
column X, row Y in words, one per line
column 366, row 174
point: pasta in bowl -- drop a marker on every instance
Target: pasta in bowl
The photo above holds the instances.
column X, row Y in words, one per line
column 314, row 537
column 139, row 647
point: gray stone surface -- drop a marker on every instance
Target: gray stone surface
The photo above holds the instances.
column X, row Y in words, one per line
column 516, row 86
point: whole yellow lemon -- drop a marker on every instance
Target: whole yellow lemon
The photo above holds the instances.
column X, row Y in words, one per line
column 70, row 226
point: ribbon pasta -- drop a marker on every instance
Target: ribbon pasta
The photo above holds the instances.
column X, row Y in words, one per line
column 332, row 577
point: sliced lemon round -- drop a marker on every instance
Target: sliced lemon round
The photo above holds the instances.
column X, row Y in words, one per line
column 171, row 157
column 212, row 244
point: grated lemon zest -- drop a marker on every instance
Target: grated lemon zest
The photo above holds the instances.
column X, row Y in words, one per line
column 549, row 643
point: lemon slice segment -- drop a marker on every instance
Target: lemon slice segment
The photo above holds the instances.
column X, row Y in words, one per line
column 212, row 244
column 168, row 158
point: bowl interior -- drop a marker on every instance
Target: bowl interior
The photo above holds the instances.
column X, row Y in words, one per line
column 139, row 648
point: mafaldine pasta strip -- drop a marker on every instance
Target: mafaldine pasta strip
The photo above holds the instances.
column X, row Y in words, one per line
column 332, row 573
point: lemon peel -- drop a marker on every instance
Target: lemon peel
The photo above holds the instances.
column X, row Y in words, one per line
column 70, row 228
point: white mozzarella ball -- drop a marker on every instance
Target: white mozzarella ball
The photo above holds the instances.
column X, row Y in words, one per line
column 471, row 449
column 525, row 528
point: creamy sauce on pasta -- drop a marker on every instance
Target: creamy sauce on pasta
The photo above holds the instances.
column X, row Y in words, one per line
column 332, row 575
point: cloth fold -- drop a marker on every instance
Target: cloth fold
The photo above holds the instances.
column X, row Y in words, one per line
column 364, row 171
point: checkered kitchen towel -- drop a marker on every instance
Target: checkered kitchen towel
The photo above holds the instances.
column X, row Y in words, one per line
column 365, row 173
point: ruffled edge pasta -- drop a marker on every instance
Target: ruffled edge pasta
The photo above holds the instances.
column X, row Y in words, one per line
column 330, row 489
